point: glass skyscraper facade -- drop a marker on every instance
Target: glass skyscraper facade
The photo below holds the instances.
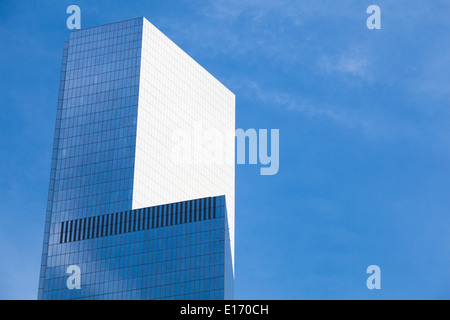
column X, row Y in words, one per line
column 140, row 219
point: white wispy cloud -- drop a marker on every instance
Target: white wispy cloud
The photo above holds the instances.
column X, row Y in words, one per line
column 240, row 27
column 280, row 99
column 299, row 38
column 353, row 65
column 363, row 119
column 306, row 106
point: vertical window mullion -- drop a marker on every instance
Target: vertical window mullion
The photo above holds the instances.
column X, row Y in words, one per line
column 70, row 231
column 88, row 229
column 157, row 217
column 107, row 226
column 177, row 206
column 195, row 210
column 61, row 232
column 209, row 208
column 84, row 228
column 80, row 228
column 152, row 212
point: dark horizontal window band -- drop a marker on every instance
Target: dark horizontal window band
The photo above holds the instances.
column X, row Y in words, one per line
column 138, row 220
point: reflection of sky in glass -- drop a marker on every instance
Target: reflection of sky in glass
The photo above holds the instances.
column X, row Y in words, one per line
column 91, row 189
column 176, row 252
column 93, row 157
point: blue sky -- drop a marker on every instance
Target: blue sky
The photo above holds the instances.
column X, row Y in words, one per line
column 364, row 137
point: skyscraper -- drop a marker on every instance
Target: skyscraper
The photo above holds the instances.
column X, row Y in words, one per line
column 141, row 195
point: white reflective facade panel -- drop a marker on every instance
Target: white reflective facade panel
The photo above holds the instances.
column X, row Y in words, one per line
column 185, row 130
